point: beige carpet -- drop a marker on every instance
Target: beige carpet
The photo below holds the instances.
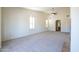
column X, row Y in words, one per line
column 40, row 42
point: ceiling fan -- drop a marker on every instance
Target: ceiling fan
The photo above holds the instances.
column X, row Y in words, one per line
column 53, row 11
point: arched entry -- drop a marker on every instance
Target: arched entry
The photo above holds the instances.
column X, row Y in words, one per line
column 58, row 25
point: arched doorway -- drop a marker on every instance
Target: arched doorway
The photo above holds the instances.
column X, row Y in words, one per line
column 58, row 25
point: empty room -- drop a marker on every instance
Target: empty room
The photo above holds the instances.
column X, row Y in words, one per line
column 35, row 29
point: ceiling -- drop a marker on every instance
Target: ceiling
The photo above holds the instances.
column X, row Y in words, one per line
column 48, row 9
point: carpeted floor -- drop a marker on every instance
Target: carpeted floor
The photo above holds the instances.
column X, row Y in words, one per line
column 66, row 47
column 40, row 42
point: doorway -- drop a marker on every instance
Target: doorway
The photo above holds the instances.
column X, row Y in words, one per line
column 58, row 25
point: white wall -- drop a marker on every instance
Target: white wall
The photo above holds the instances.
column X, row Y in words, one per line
column 65, row 21
column 52, row 18
column 0, row 27
column 65, row 24
column 75, row 29
column 15, row 22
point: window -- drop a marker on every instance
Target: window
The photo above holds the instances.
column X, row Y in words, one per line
column 32, row 22
column 47, row 23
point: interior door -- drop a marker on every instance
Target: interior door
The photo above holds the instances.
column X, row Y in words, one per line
column 58, row 25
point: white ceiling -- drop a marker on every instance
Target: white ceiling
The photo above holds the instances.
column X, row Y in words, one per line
column 47, row 9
